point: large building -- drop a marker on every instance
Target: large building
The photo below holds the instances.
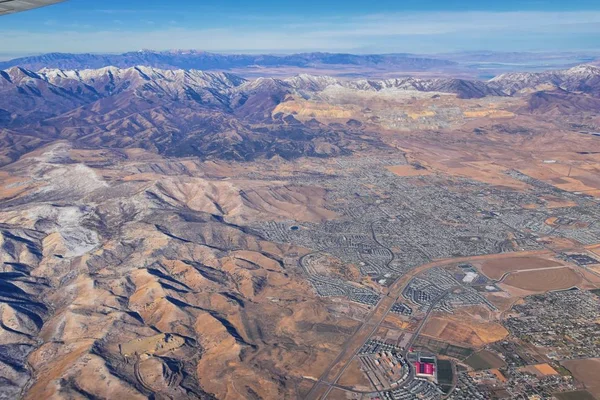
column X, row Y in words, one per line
column 424, row 369
column 13, row 6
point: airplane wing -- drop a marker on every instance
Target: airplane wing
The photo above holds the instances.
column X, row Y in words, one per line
column 13, row 6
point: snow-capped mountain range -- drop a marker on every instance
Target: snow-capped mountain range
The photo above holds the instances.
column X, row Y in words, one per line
column 199, row 112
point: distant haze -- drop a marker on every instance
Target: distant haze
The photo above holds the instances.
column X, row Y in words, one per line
column 266, row 26
column 481, row 65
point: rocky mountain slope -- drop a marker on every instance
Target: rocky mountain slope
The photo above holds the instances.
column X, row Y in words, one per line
column 125, row 275
column 185, row 112
column 171, row 112
column 583, row 78
column 561, row 102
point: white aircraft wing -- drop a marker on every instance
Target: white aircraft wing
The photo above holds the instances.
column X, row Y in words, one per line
column 13, row 6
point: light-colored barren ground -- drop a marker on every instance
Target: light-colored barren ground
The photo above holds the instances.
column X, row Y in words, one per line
column 354, row 377
column 408, row 170
column 463, row 331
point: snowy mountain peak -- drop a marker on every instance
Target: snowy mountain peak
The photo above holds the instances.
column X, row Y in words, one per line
column 584, row 70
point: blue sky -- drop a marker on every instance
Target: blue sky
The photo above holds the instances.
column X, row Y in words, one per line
column 375, row 26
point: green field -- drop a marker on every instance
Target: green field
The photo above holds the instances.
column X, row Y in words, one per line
column 578, row 395
column 438, row 347
column 483, row 360
column 445, row 374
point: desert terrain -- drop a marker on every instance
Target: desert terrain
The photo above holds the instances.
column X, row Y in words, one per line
column 189, row 234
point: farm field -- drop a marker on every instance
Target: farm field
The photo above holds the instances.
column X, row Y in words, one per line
column 539, row 281
column 578, row 395
column 586, row 372
column 483, row 360
column 495, row 269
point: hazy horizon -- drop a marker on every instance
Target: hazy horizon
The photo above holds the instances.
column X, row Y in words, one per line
column 450, row 54
column 425, row 27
